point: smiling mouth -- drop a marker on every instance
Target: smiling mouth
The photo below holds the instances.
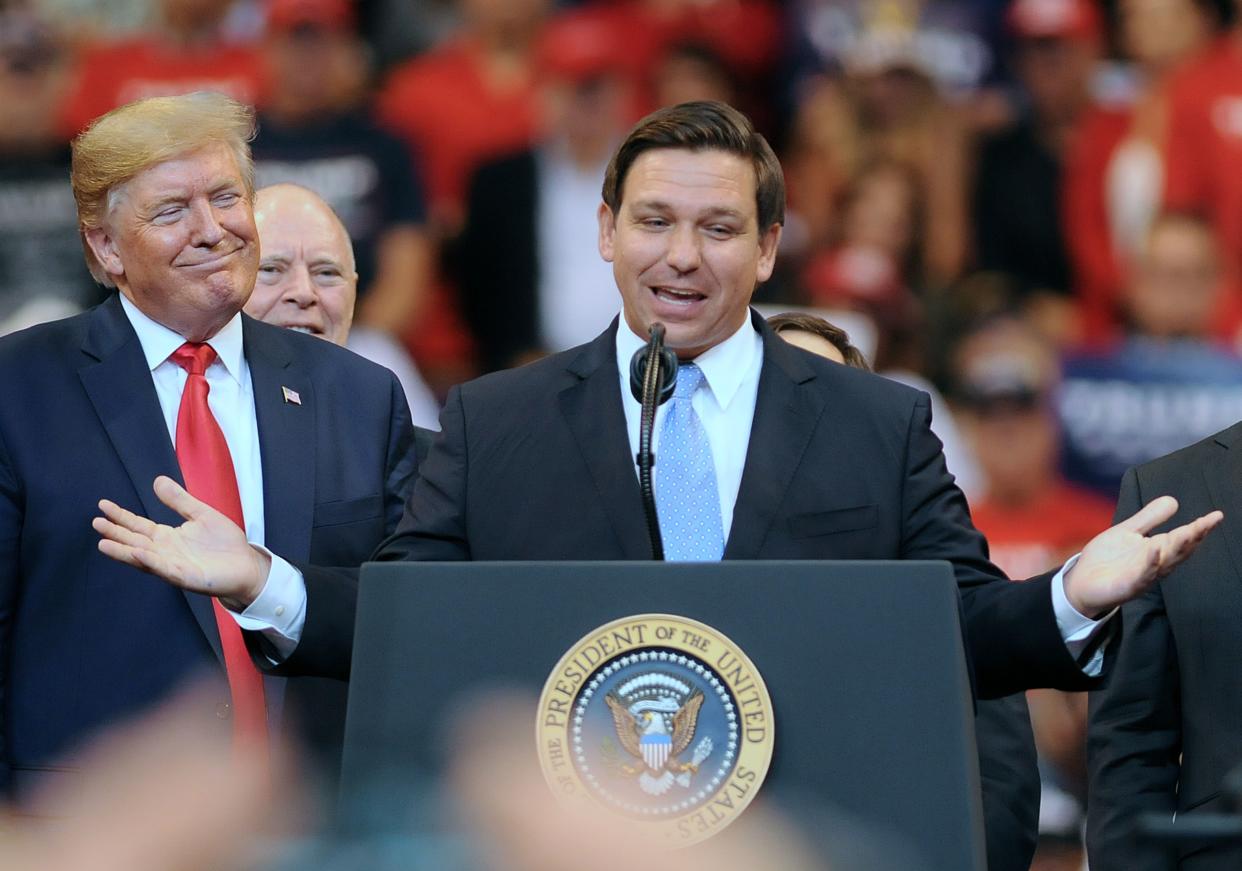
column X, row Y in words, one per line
column 676, row 296
column 310, row 331
column 214, row 261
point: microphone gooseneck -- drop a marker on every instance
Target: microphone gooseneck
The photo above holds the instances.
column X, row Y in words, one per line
column 653, row 375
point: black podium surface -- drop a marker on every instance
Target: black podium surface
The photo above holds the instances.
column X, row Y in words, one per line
column 863, row 662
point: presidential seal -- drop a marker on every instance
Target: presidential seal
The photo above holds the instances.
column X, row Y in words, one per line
column 660, row 718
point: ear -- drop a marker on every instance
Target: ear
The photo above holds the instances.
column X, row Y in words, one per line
column 607, row 232
column 768, row 243
column 103, row 246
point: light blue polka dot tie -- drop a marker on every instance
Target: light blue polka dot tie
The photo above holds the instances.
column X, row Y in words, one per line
column 687, row 498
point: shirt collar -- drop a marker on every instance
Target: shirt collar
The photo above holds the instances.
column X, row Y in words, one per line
column 724, row 365
column 158, row 342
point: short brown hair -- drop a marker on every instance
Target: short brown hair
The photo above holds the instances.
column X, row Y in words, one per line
column 136, row 136
column 817, row 326
column 703, row 126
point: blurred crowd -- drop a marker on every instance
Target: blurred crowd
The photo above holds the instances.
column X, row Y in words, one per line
column 168, row 791
column 1029, row 208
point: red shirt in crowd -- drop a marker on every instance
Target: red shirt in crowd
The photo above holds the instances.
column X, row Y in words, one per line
column 113, row 74
column 1097, row 274
column 746, row 34
column 453, row 119
column 1028, row 540
column 1203, row 153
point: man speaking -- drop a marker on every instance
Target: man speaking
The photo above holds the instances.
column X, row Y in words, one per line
column 766, row 452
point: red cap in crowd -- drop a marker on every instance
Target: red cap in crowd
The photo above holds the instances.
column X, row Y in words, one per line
column 326, row 14
column 1063, row 19
column 581, row 46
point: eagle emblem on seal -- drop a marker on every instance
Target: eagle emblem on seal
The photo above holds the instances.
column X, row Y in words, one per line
column 656, row 730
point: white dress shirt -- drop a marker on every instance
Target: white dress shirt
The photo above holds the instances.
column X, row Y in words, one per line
column 727, row 410
column 281, row 608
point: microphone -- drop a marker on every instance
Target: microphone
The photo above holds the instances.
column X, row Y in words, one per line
column 653, row 376
column 666, row 371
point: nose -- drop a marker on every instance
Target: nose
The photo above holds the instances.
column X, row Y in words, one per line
column 683, row 249
column 298, row 288
column 207, row 230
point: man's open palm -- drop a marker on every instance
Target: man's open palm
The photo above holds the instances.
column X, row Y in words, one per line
column 1123, row 562
column 207, row 554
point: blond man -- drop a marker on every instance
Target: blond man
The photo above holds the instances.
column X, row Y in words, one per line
column 301, row 444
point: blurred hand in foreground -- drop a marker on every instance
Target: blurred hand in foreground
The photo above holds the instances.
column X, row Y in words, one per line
column 172, row 792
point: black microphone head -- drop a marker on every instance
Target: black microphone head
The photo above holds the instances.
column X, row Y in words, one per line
column 667, row 375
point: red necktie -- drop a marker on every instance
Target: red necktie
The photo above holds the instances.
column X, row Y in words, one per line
column 207, row 468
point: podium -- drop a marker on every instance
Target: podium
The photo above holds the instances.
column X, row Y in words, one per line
column 863, row 662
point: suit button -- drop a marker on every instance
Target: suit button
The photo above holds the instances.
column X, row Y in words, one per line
column 224, row 710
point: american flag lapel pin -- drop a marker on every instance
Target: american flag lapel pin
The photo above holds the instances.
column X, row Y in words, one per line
column 291, row 396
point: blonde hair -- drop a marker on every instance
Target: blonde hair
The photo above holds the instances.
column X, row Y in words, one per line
column 119, row 145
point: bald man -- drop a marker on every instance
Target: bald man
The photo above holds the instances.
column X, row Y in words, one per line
column 308, row 282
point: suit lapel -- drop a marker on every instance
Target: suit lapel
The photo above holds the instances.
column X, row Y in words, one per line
column 119, row 385
column 592, row 409
column 786, row 413
column 286, row 423
column 286, row 438
column 1226, row 489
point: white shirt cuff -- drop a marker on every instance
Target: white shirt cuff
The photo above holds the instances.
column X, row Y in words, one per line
column 279, row 612
column 1077, row 631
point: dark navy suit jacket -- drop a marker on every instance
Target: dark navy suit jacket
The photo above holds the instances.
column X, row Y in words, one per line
column 85, row 640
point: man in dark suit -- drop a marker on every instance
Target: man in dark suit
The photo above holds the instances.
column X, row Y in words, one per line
column 774, row 453
column 1167, row 729
column 91, row 406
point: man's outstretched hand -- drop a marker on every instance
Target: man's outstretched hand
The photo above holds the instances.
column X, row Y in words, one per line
column 207, row 554
column 1123, row 562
